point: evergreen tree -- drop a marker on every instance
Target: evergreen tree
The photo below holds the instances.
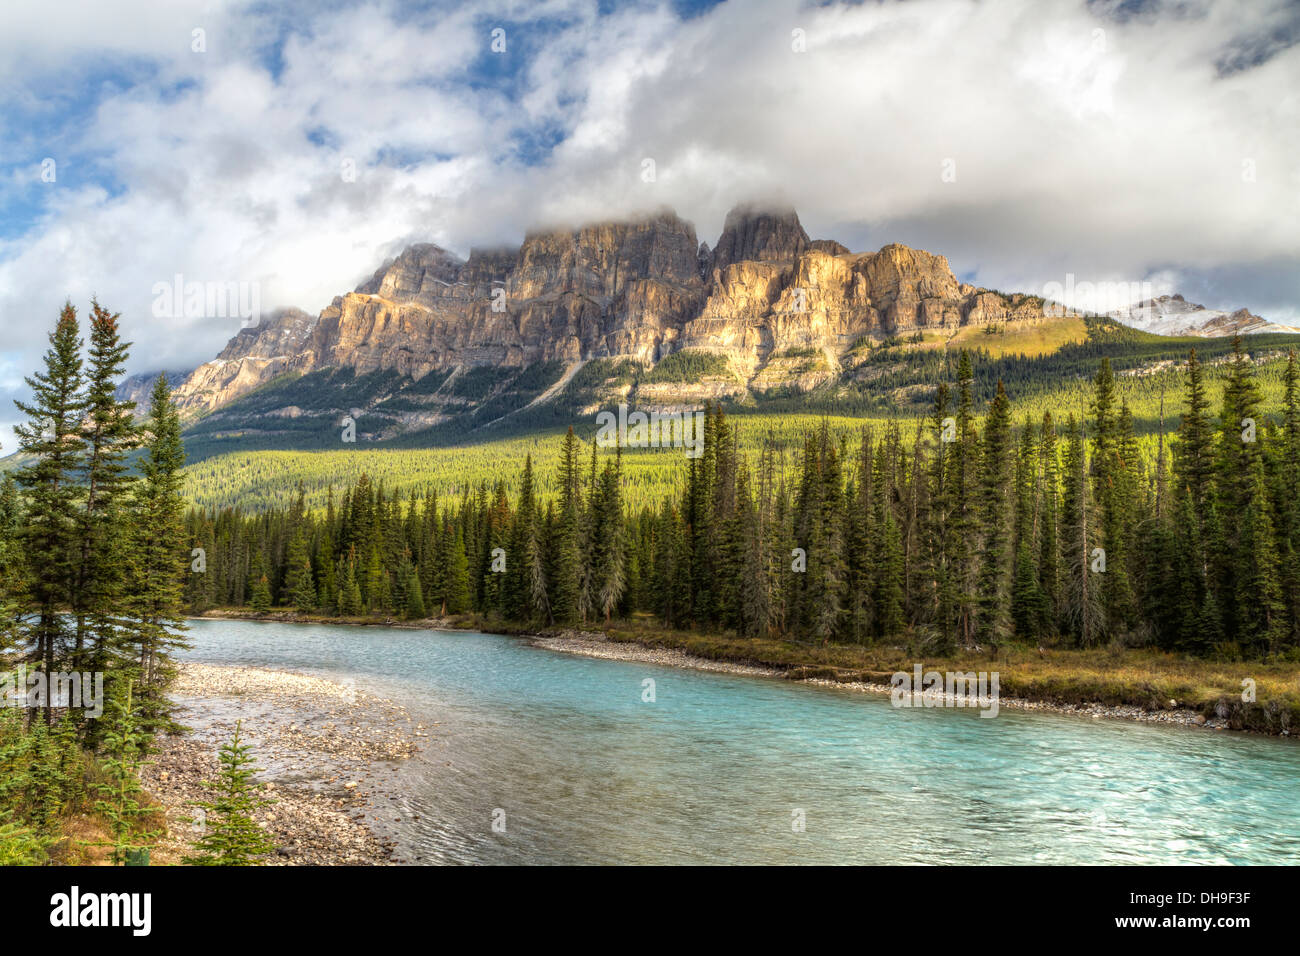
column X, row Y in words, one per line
column 349, row 590
column 1049, row 553
column 157, row 561
column 564, row 573
column 994, row 597
column 1026, row 597
column 259, row 586
column 231, row 837
column 52, row 442
column 963, row 524
column 125, row 743
column 415, row 609
column 456, row 599
column 1080, row 597
column 108, row 433
column 300, row 585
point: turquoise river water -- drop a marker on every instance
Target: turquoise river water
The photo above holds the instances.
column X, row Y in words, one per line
column 731, row 769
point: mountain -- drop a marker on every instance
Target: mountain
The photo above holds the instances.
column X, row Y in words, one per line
column 640, row 289
column 436, row 348
column 1174, row 315
column 138, row 388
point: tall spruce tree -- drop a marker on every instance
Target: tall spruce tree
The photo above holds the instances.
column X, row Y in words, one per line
column 994, row 622
column 51, row 439
column 158, row 561
column 108, row 432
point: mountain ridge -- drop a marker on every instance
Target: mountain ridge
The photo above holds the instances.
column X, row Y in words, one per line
column 1174, row 315
column 640, row 288
column 637, row 309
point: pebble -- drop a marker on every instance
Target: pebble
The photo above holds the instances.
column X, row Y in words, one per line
column 301, row 742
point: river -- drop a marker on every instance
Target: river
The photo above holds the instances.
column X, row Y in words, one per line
column 575, row 766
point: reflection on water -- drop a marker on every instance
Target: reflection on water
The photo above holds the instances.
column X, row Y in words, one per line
column 721, row 768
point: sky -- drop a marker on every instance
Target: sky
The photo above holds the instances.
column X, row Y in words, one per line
column 283, row 150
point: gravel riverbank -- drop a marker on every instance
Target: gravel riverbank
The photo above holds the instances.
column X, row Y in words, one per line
column 324, row 750
column 595, row 644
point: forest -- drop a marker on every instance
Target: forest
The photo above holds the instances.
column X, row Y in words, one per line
column 973, row 530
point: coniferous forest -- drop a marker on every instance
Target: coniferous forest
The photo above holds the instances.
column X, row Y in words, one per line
column 968, row 529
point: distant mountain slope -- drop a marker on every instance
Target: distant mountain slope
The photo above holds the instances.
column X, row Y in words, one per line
column 1174, row 315
column 137, row 388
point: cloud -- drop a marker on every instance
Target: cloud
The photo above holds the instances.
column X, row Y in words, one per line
column 1023, row 140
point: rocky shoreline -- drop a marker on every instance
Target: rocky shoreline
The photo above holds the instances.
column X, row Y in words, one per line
column 324, row 749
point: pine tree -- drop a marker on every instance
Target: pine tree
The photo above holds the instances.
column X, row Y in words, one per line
column 1193, row 473
column 963, row 524
column 157, row 561
column 231, row 837
column 523, row 533
column 1288, row 520
column 608, row 556
column 564, row 574
column 259, row 585
column 109, row 434
column 414, row 606
column 1080, row 598
column 887, row 594
column 1026, row 597
column 457, row 597
column 994, row 622
column 11, row 570
column 1245, row 574
column 861, row 538
column 1109, row 489
column 1260, row 611
column 125, row 743
column 349, row 590
column 1049, row 553
column 51, row 439
column 299, row 582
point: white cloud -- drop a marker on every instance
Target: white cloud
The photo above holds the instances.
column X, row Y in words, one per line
column 1113, row 155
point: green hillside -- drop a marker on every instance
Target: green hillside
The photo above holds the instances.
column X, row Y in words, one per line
column 264, row 473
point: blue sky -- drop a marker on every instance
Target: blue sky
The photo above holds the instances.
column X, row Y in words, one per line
column 1128, row 141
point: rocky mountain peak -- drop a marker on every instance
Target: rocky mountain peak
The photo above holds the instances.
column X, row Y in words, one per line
column 1174, row 315
column 760, row 233
column 638, row 288
column 278, row 333
column 414, row 274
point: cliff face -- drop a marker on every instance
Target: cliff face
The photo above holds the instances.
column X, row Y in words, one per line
column 761, row 235
column 639, row 289
column 254, row 356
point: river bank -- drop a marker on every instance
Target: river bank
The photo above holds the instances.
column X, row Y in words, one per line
column 594, row 644
column 1123, row 684
column 324, row 750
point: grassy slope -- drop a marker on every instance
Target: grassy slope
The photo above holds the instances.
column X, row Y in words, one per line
column 257, row 479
